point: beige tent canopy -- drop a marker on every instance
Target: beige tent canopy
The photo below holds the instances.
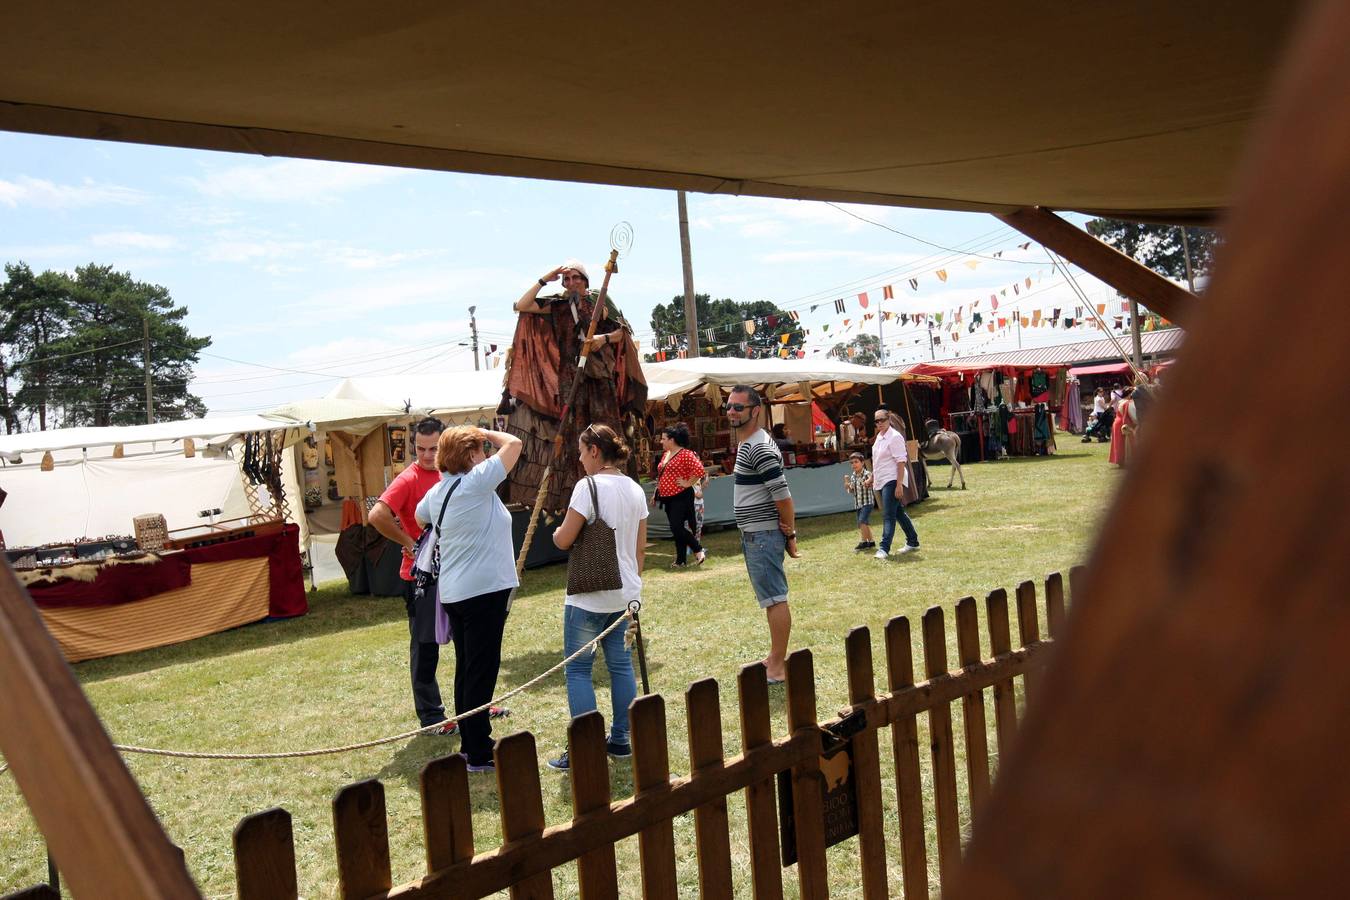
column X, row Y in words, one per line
column 1137, row 109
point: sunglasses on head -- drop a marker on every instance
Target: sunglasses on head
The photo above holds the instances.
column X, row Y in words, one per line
column 737, row 407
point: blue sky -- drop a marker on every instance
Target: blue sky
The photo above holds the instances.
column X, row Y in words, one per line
column 334, row 270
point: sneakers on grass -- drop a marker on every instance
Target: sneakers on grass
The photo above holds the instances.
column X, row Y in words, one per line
column 908, row 548
column 880, row 554
column 617, row 751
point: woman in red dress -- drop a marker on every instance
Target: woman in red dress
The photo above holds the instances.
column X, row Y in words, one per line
column 676, row 474
column 1122, row 430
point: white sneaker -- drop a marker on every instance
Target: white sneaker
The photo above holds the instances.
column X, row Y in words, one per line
column 880, row 554
column 906, row 549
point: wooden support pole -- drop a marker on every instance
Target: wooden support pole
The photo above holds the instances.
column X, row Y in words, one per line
column 1189, row 738
column 97, row 823
column 1131, row 278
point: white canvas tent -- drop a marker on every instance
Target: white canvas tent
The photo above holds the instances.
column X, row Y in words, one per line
column 457, row 398
column 90, row 493
column 671, row 380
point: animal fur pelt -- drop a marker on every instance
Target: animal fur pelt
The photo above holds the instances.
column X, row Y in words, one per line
column 81, row 571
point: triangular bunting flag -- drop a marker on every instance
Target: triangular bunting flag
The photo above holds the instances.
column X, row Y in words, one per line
column 839, row 306
column 941, row 274
column 862, row 299
column 888, row 293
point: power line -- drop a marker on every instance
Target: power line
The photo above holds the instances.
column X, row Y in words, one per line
column 919, row 239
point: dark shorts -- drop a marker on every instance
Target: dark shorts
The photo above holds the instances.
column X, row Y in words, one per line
column 865, row 514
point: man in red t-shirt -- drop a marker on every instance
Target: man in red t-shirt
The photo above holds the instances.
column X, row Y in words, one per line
column 393, row 517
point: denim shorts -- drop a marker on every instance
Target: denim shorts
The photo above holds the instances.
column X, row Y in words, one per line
column 764, row 552
column 864, row 513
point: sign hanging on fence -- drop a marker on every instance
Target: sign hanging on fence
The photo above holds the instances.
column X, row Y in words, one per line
column 839, row 800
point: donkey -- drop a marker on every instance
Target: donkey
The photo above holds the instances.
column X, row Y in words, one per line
column 943, row 443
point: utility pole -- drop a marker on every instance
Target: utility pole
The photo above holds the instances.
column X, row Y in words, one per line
column 473, row 330
column 932, row 354
column 149, row 387
column 1186, row 254
column 1134, row 335
column 881, row 337
column 690, row 306
column 1017, row 314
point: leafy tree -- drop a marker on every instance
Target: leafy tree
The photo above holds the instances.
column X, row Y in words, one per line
column 866, row 350
column 34, row 318
column 727, row 319
column 1159, row 246
column 91, row 367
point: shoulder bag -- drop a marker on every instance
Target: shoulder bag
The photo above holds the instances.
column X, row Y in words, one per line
column 429, row 617
column 593, row 564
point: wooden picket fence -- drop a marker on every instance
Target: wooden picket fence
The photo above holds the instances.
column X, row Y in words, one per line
column 265, row 853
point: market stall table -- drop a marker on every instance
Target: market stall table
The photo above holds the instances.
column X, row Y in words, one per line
column 176, row 596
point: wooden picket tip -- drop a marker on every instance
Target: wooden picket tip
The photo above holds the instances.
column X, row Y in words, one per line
column 940, row 744
column 972, row 706
column 651, row 775
column 264, row 856
column 712, row 836
column 447, row 815
column 361, row 835
column 597, row 874
column 1000, row 644
column 808, row 809
column 905, row 751
column 522, row 805
column 1029, row 631
column 866, row 768
column 761, row 812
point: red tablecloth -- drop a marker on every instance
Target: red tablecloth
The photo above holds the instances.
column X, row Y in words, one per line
column 125, row 583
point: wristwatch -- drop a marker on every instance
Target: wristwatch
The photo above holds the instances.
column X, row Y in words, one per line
column 790, row 535
column 543, row 283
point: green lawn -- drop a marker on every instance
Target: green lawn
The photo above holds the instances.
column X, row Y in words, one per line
column 340, row 675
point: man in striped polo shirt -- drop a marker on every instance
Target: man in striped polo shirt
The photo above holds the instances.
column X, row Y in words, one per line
column 765, row 516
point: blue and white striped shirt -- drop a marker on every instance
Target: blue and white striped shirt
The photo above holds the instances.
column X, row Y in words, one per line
column 759, row 483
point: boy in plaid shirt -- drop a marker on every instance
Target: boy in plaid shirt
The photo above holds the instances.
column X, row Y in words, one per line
column 859, row 484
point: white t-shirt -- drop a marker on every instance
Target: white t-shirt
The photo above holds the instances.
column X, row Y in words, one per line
column 476, row 550
column 623, row 505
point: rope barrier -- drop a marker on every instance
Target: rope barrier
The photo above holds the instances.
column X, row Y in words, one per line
column 588, row 647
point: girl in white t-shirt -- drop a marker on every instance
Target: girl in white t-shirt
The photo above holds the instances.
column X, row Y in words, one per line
column 623, row 507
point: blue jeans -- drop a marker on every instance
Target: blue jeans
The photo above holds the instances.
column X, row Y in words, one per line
column 764, row 562
column 892, row 511
column 580, row 627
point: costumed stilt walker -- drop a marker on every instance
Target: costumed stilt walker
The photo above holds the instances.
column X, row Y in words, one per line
column 573, row 363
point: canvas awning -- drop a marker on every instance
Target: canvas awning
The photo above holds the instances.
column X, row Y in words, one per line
column 459, row 398
column 212, row 429
column 1103, row 369
column 909, row 104
column 677, row 377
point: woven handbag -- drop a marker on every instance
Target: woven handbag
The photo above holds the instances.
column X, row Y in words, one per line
column 594, row 561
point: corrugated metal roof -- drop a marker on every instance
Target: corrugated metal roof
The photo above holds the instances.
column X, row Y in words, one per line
column 1155, row 343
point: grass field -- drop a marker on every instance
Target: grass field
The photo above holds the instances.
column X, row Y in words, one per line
column 339, row 675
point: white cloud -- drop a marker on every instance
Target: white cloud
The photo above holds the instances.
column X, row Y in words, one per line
column 39, row 192
column 290, row 180
column 138, row 240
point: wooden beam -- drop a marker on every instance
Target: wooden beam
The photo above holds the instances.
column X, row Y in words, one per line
column 101, row 831
column 1130, row 277
column 1190, row 734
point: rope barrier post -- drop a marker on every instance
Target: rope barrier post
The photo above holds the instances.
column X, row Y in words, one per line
column 633, row 608
column 53, row 876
